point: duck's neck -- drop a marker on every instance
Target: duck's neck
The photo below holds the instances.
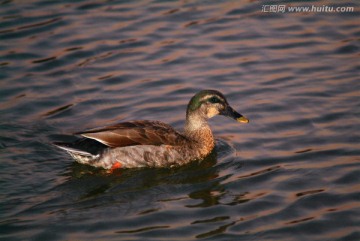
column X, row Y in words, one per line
column 198, row 131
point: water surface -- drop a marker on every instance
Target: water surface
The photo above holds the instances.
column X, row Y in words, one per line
column 292, row 173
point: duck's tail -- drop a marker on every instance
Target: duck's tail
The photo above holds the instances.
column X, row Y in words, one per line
column 80, row 155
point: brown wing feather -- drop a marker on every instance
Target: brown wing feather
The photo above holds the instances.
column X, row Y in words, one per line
column 135, row 133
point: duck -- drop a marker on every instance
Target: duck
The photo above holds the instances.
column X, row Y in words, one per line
column 145, row 143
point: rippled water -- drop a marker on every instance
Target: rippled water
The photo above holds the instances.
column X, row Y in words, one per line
column 293, row 173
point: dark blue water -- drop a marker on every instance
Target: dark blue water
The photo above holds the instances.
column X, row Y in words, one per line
column 292, row 173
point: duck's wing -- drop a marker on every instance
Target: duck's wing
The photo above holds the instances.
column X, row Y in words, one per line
column 135, row 133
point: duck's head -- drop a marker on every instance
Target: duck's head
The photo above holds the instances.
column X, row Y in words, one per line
column 209, row 103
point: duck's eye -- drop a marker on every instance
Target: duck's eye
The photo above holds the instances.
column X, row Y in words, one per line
column 214, row 100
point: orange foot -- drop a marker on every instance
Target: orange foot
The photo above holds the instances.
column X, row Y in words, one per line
column 115, row 166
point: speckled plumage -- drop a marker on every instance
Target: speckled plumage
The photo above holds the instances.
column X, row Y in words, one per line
column 153, row 143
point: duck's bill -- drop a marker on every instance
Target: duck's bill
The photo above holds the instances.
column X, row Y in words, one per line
column 230, row 112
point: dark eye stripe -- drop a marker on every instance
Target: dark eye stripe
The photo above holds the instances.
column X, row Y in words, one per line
column 214, row 100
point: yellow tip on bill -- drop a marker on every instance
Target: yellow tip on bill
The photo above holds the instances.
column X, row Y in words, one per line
column 242, row 119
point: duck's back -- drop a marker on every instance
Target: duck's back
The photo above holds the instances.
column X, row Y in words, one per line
column 136, row 133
